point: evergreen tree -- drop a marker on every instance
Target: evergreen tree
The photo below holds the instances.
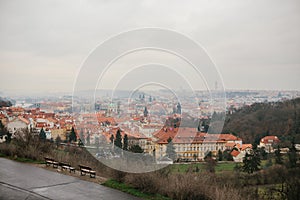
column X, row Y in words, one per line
column 278, row 157
column 292, row 155
column 42, row 135
column 136, row 149
column 146, row 112
column 170, row 149
column 251, row 162
column 125, row 142
column 220, row 155
column 118, row 140
column 72, row 136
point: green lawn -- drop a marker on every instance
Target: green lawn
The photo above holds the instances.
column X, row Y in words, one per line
column 181, row 168
column 226, row 166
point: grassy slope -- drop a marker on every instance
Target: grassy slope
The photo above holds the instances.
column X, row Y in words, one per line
column 130, row 190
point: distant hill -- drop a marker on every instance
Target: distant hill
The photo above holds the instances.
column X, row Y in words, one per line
column 260, row 119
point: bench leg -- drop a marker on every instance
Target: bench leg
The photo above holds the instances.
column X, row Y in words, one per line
column 92, row 175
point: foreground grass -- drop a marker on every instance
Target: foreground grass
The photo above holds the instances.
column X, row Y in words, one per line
column 130, row 190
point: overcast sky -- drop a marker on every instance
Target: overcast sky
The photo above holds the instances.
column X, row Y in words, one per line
column 254, row 43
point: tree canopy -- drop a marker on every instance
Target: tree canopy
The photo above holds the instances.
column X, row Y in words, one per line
column 251, row 162
column 260, row 119
column 73, row 137
column 42, row 134
column 118, row 140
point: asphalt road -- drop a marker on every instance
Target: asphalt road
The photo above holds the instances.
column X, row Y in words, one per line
column 22, row 181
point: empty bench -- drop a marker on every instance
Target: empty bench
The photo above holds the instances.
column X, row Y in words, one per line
column 87, row 170
column 66, row 166
column 50, row 161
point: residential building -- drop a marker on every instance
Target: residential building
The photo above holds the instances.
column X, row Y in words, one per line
column 269, row 143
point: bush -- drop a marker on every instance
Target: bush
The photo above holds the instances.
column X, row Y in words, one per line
column 200, row 186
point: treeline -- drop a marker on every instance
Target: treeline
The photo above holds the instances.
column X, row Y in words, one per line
column 261, row 119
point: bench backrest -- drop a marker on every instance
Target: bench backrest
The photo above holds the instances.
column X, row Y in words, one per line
column 50, row 159
column 84, row 167
column 64, row 164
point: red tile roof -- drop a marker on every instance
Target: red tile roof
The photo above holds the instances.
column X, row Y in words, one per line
column 191, row 135
column 245, row 146
column 270, row 139
column 235, row 153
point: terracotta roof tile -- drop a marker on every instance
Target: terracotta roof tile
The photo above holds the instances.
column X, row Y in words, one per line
column 235, row 153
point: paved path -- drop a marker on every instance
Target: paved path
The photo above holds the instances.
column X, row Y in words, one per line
column 22, row 181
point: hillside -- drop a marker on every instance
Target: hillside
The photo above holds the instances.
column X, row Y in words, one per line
column 260, row 119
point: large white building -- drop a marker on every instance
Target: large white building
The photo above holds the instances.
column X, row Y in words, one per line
column 191, row 144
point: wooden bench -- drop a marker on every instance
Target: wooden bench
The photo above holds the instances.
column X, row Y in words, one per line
column 50, row 161
column 66, row 166
column 85, row 169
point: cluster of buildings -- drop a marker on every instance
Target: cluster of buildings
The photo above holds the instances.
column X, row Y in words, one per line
column 35, row 119
column 189, row 143
column 147, row 121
